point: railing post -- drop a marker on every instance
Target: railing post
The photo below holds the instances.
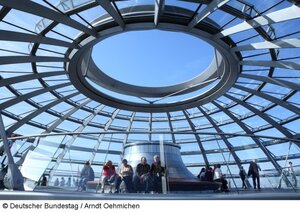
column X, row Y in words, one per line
column 163, row 163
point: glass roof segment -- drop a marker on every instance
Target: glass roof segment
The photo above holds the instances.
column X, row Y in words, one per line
column 234, row 117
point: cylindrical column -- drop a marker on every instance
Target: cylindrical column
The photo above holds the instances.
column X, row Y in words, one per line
column 176, row 169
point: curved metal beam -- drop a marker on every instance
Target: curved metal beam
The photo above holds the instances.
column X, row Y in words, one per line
column 276, row 44
column 197, row 138
column 228, row 144
column 31, row 94
column 248, row 131
column 294, row 139
column 267, row 118
column 25, row 37
column 101, row 136
column 261, row 160
column 50, row 129
column 270, row 98
column 275, row 81
column 37, row 112
column 30, row 59
column 128, row 129
column 65, row 116
column 280, row 64
column 40, row 10
column 270, row 18
column 209, row 9
column 69, row 143
column 22, row 78
column 171, row 127
column 106, row 4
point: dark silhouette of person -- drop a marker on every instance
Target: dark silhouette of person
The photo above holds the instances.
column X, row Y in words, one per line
column 243, row 177
column 142, row 176
column 253, row 171
column 201, row 175
column 156, row 173
column 44, row 180
column 209, row 174
column 3, row 172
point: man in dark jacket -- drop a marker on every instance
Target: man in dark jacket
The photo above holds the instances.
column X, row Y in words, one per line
column 156, row 173
column 254, row 172
column 243, row 177
column 142, row 176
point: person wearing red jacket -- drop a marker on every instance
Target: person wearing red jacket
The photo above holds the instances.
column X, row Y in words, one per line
column 109, row 175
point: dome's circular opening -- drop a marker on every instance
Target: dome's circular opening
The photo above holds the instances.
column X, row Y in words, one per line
column 217, row 75
column 153, row 58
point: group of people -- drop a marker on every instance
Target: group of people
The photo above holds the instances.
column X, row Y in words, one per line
column 214, row 175
column 63, row 183
column 149, row 178
column 209, row 174
column 253, row 171
column 146, row 178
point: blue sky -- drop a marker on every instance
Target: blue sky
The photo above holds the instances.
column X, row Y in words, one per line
column 153, row 57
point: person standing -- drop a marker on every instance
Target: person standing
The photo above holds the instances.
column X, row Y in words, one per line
column 243, row 177
column 291, row 172
column 253, row 171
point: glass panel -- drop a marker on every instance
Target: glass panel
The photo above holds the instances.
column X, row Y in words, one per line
column 34, row 166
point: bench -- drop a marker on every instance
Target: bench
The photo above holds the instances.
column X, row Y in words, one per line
column 175, row 184
column 179, row 184
column 95, row 185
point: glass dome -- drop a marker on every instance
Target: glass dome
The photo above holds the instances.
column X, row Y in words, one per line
column 57, row 113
